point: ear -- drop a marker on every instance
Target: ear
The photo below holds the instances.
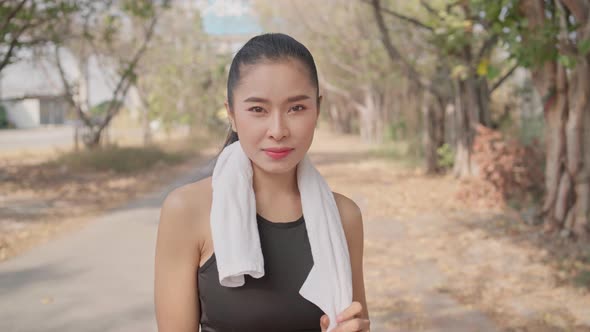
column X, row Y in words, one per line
column 320, row 98
column 230, row 116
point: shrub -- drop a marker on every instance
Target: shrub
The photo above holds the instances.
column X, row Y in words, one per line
column 119, row 159
column 3, row 117
column 446, row 158
column 512, row 171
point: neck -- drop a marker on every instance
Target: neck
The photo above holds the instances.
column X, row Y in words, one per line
column 274, row 185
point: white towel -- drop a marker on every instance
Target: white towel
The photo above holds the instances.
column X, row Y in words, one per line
column 236, row 242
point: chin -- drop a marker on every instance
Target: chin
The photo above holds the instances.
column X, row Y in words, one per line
column 276, row 167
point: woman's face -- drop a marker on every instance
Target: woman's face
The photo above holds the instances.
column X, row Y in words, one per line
column 275, row 108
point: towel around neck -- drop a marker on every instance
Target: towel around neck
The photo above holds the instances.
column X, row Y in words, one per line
column 237, row 244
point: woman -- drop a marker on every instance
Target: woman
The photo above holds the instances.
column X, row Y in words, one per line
column 273, row 105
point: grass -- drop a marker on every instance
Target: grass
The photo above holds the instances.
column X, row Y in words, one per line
column 132, row 158
column 118, row 159
column 399, row 151
column 582, row 279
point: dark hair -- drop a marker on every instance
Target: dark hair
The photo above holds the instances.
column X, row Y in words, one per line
column 269, row 46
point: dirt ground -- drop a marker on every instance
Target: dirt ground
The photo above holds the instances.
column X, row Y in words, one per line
column 431, row 261
column 434, row 263
column 39, row 202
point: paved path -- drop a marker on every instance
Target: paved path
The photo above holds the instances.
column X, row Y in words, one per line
column 97, row 279
column 36, row 138
column 61, row 137
column 407, row 287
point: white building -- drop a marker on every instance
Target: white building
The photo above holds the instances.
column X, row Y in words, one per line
column 32, row 92
column 34, row 111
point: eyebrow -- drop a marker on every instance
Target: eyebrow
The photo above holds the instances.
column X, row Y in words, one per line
column 298, row 98
column 266, row 101
column 256, row 100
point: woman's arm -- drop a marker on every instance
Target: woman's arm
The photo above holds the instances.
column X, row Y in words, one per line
column 356, row 316
column 176, row 263
column 352, row 222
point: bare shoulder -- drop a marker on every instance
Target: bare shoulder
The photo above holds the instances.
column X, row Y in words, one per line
column 187, row 208
column 350, row 213
column 352, row 225
column 180, row 239
column 190, row 196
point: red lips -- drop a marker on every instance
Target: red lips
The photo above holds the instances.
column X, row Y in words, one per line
column 278, row 153
column 278, row 149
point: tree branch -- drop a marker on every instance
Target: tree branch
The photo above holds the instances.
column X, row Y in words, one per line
column 11, row 15
column 341, row 92
column 69, row 94
column 579, row 8
column 503, row 79
column 347, row 68
column 343, row 40
column 402, row 17
column 15, row 38
column 486, row 46
column 126, row 79
column 428, row 8
column 8, row 55
column 394, row 53
column 16, row 35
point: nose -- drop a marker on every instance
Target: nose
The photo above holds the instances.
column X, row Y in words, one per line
column 278, row 127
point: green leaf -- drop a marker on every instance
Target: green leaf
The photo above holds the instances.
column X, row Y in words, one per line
column 584, row 47
column 493, row 72
column 566, row 61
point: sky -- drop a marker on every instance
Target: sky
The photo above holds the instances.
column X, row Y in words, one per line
column 221, row 17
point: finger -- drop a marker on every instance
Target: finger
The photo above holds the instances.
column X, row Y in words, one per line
column 354, row 309
column 324, row 323
column 354, row 325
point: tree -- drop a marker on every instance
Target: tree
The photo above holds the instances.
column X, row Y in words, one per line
column 435, row 97
column 553, row 40
column 29, row 23
column 363, row 93
column 181, row 81
column 462, row 41
column 119, row 34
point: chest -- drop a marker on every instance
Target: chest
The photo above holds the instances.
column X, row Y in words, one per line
column 270, row 303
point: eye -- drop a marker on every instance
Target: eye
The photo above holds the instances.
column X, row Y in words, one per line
column 256, row 109
column 297, row 108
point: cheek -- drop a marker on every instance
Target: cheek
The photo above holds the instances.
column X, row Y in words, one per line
column 307, row 123
column 248, row 125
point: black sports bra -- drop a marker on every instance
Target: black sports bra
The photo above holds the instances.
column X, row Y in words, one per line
column 271, row 303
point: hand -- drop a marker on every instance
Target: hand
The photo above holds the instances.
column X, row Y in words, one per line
column 349, row 320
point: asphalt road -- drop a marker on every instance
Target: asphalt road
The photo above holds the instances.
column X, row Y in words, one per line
column 38, row 138
column 97, row 279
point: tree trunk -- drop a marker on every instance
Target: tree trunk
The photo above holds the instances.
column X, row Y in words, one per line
column 466, row 116
column 340, row 117
column 472, row 100
column 371, row 122
column 92, row 138
column 578, row 151
column 145, row 114
column 566, row 207
column 147, row 132
column 567, row 116
column 483, row 101
column 433, row 111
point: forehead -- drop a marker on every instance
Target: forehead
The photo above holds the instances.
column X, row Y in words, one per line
column 274, row 77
